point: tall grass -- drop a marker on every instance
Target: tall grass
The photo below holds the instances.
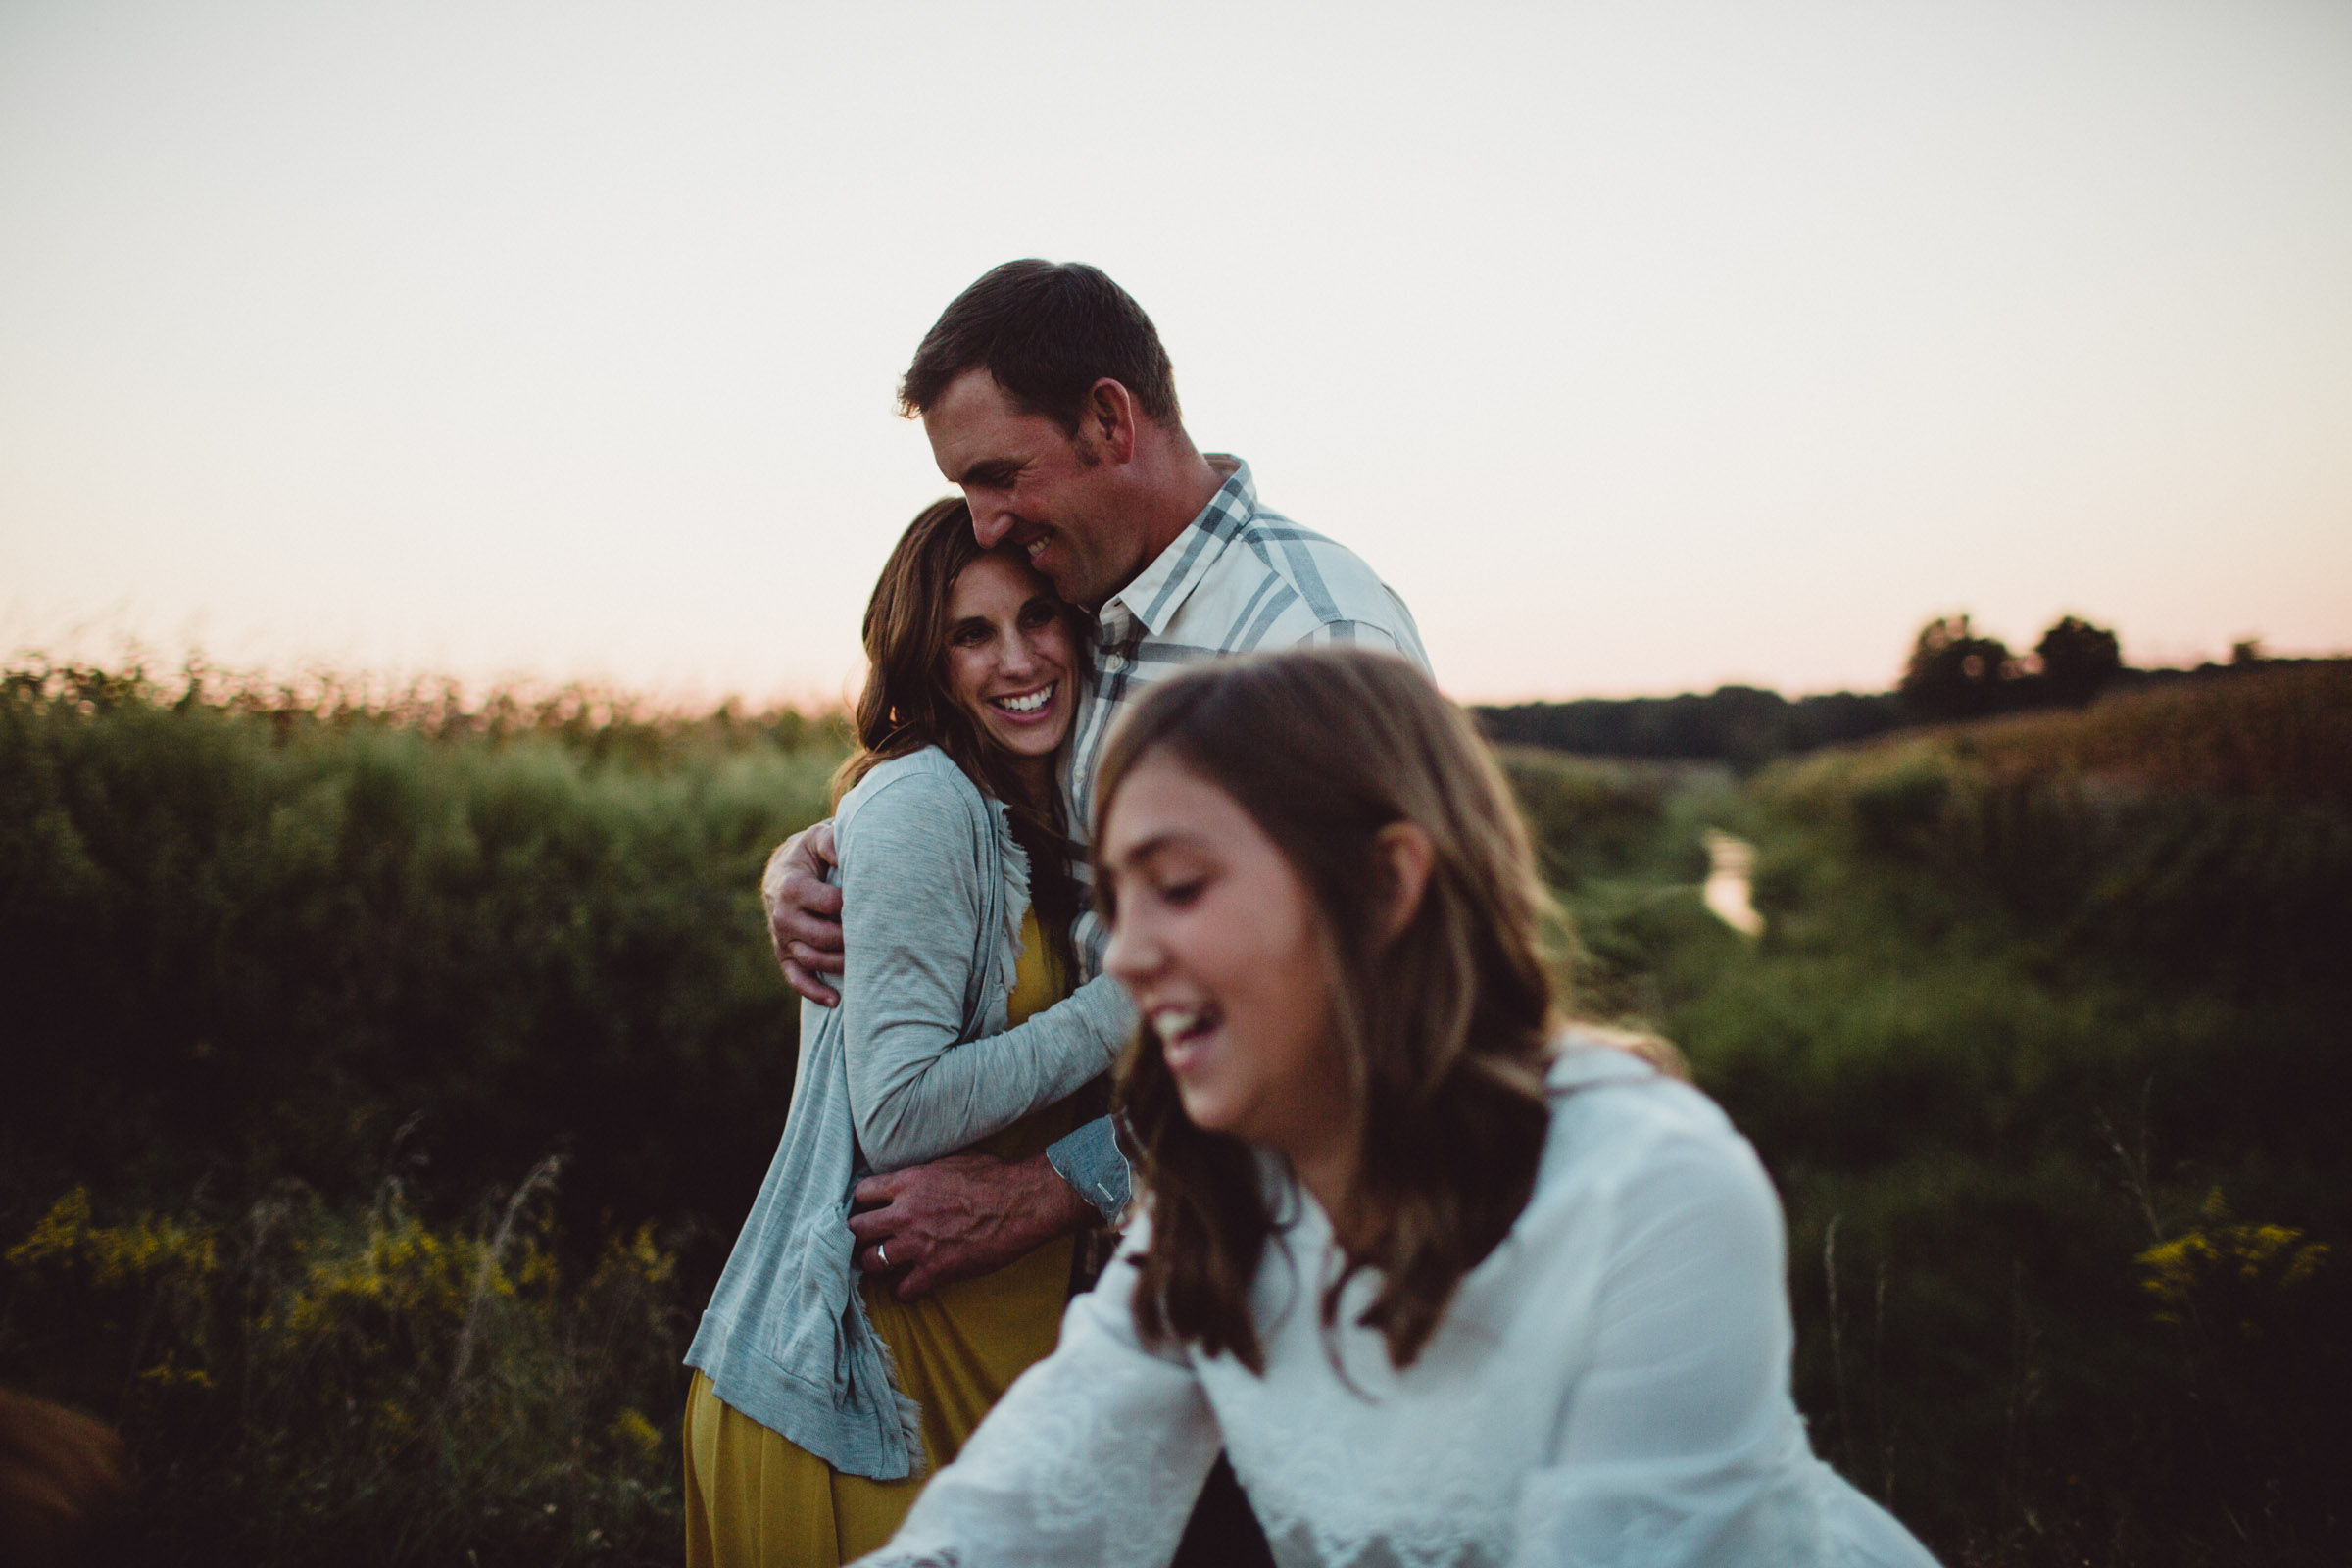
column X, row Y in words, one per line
column 302, row 982
column 310, row 1383
column 246, row 942
column 2045, row 1044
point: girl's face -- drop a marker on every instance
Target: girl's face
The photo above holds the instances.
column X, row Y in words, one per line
column 1221, row 944
column 1010, row 655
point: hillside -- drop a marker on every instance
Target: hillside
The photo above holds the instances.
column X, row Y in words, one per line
column 2045, row 1043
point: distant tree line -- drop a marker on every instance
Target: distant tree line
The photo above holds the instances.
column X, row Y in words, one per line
column 1954, row 672
column 1743, row 725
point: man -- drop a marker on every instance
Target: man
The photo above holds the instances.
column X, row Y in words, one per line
column 1049, row 402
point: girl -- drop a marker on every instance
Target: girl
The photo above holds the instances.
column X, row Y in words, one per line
column 1450, row 1285
column 818, row 1400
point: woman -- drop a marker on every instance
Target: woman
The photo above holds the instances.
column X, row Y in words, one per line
column 1449, row 1286
column 820, row 1400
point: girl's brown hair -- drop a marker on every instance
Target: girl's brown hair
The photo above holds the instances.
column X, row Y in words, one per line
column 906, row 704
column 1444, row 1027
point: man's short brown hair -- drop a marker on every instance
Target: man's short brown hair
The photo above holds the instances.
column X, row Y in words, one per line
column 1047, row 331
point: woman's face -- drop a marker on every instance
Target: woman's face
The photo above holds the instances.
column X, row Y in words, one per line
column 1009, row 655
column 1221, row 944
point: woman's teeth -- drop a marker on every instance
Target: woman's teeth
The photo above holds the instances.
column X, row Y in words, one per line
column 1028, row 703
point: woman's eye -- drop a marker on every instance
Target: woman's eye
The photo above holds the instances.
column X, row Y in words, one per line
column 1181, row 894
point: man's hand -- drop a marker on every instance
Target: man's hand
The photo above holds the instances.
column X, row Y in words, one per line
column 961, row 1217
column 803, row 912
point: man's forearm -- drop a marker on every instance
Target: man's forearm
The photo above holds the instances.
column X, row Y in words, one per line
column 1044, row 1203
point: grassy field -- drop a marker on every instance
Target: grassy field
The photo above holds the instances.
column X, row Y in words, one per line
column 2045, row 1044
column 388, row 1077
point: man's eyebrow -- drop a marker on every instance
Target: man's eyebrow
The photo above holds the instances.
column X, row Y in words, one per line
column 989, row 471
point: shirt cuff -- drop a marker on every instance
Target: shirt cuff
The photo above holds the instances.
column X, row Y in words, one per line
column 1089, row 1159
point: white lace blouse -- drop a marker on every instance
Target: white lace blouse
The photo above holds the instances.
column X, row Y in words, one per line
column 1610, row 1386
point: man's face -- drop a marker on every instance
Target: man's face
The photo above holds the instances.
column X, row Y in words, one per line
column 1056, row 497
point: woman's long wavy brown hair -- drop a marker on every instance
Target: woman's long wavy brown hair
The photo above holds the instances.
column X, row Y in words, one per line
column 1444, row 1028
column 906, row 704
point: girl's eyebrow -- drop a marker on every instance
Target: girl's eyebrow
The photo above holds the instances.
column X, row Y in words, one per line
column 1167, row 839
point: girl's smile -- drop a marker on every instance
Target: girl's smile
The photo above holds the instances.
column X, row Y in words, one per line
column 1220, row 943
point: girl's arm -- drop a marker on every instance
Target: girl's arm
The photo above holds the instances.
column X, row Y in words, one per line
column 1675, row 1428
column 911, row 903
column 1679, row 1445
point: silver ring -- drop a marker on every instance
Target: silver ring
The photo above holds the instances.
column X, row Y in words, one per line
column 882, row 1253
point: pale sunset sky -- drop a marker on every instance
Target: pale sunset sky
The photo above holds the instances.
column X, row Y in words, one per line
column 1641, row 347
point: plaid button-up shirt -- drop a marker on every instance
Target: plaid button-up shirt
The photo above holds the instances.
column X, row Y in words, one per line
column 1241, row 577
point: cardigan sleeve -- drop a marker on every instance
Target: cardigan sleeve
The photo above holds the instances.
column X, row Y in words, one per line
column 912, row 902
column 1092, row 1459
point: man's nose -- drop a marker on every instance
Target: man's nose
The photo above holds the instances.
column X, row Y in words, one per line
column 990, row 524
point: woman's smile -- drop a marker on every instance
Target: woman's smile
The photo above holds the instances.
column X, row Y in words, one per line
column 1009, row 655
column 1031, row 707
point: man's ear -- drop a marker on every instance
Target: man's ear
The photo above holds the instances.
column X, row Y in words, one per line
column 1108, row 420
column 1406, row 857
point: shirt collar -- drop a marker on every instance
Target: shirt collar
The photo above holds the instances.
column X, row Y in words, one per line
column 1582, row 1058
column 1161, row 589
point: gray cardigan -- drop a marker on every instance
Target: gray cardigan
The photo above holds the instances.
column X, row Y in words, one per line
column 914, row 1064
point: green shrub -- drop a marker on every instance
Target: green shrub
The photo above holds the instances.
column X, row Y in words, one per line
column 311, row 1384
column 2020, row 1003
column 299, row 976
column 249, row 945
column 295, row 976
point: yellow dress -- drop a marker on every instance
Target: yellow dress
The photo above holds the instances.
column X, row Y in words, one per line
column 754, row 1499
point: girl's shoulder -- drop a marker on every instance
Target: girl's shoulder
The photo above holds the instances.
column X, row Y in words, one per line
column 1612, row 1113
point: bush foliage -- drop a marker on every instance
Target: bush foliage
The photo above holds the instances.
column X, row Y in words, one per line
column 256, row 937
column 297, row 977
column 315, row 993
column 2029, row 995
column 360, row 1386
